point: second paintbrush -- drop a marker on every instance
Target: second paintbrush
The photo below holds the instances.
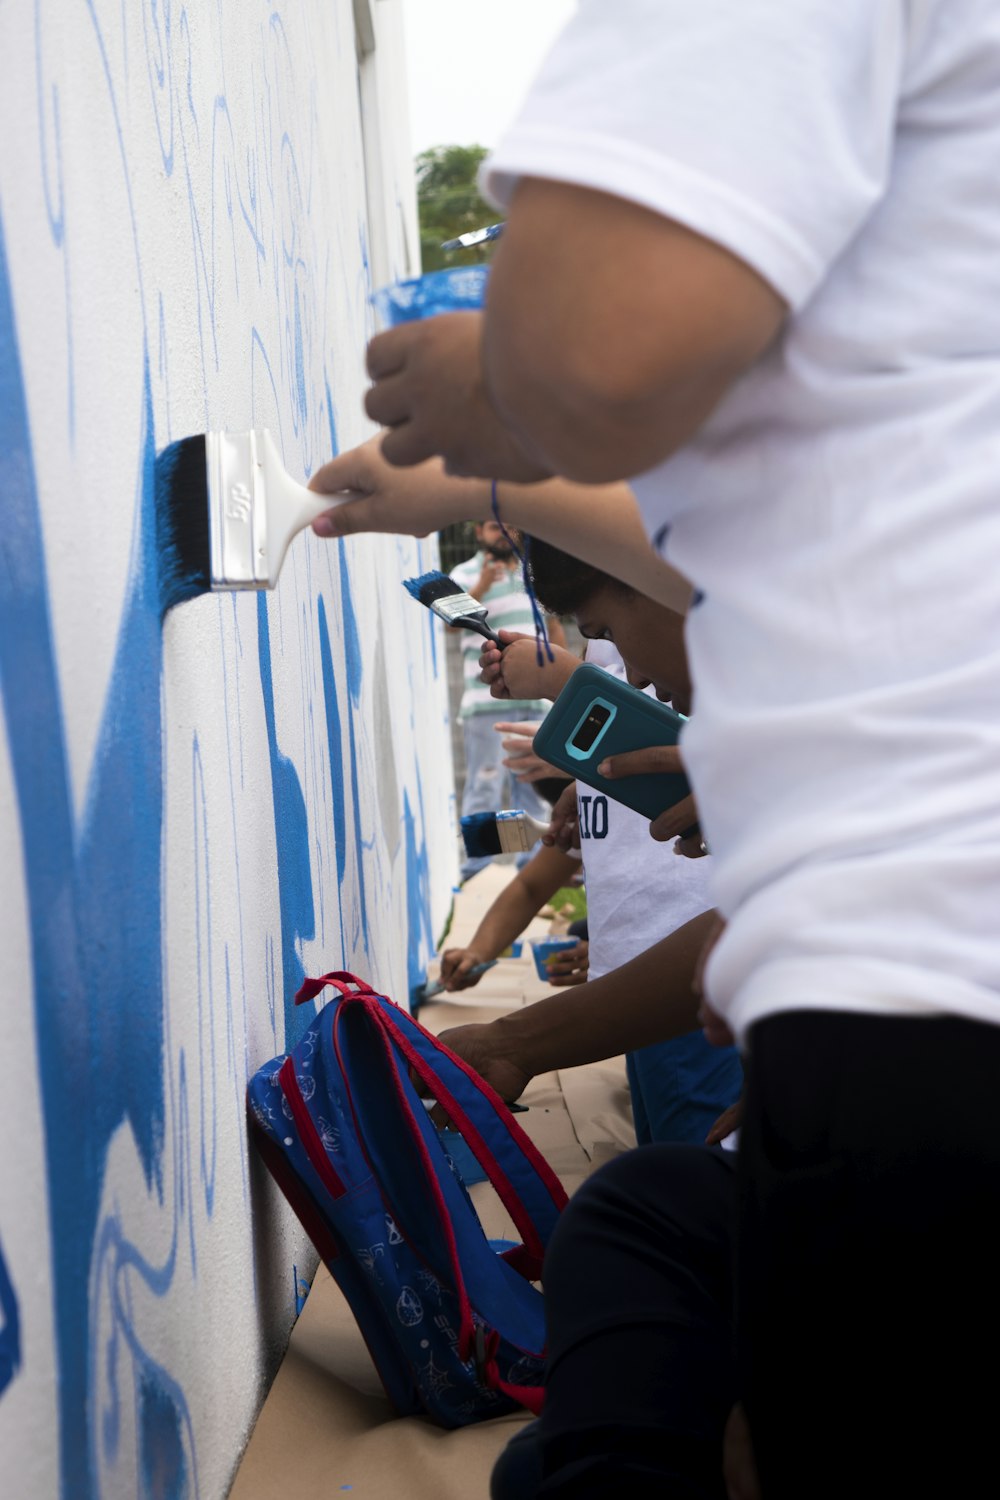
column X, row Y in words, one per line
column 510, row 832
column 445, row 598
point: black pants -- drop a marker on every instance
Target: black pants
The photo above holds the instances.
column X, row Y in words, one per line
column 867, row 1307
column 869, row 1260
column 641, row 1375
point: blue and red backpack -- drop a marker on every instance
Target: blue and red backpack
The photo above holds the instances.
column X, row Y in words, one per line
column 455, row 1328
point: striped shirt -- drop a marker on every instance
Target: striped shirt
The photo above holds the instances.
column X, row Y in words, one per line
column 509, row 609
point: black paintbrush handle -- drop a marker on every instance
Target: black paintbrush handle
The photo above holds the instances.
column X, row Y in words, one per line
column 481, row 628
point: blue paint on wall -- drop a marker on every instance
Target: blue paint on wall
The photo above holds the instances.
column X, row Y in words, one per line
column 93, row 894
column 355, row 671
column 291, row 837
column 162, row 1463
column 335, row 750
column 10, row 1329
column 420, row 943
column 331, row 419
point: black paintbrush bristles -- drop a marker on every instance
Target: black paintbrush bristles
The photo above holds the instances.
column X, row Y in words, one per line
column 182, row 537
column 481, row 835
column 431, row 586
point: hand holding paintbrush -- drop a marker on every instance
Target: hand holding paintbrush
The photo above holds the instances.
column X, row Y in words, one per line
column 226, row 510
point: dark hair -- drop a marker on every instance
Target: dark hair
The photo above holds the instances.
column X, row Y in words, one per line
column 563, row 583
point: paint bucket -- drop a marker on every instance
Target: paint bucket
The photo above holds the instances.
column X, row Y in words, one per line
column 455, row 289
column 544, row 948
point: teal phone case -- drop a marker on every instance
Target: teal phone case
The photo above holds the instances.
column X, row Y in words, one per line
column 631, row 721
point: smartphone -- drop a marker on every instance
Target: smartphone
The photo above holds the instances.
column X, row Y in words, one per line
column 597, row 715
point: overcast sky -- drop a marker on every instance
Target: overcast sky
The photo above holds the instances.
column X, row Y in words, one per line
column 470, row 63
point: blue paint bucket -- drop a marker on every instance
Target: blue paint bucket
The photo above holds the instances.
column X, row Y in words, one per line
column 455, row 289
column 544, row 948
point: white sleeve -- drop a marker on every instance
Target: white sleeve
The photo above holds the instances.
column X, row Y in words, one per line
column 765, row 125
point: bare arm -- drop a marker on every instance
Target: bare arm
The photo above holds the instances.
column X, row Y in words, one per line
column 611, row 332
column 520, row 900
column 601, row 525
column 651, row 999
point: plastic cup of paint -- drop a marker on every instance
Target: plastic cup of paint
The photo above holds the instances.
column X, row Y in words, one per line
column 545, row 948
column 455, row 289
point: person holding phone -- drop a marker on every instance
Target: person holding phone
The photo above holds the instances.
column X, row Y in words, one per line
column 679, row 1087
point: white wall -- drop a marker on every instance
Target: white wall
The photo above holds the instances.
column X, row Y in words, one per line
column 191, row 816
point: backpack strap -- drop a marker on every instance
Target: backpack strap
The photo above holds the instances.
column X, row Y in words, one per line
column 473, row 1340
column 467, row 1325
column 523, row 1181
column 340, row 979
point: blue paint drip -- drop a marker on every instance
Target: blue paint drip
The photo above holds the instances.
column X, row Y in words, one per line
column 163, row 1466
column 335, row 750
column 331, row 420
column 300, row 366
column 355, row 671
column 10, row 1331
column 352, row 638
column 291, row 837
column 94, row 903
column 420, row 942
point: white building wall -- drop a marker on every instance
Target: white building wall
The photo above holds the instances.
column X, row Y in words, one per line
column 195, row 203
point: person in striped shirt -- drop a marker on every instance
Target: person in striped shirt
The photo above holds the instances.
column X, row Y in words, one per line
column 493, row 576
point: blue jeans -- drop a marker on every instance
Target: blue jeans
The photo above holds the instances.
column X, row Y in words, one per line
column 680, row 1088
column 489, row 786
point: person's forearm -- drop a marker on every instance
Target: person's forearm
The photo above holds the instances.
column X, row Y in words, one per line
column 521, row 900
column 504, row 922
column 599, row 524
column 647, row 1000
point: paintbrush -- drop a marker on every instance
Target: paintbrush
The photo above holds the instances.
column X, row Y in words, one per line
column 226, row 510
column 475, row 972
column 511, row 832
column 442, row 595
column 474, row 237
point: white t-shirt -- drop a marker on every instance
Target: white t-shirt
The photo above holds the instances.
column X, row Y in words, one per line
column 638, row 891
column 840, row 509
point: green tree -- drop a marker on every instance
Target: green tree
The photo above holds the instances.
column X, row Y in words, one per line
column 449, row 205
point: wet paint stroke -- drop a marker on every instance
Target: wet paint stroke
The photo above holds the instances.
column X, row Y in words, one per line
column 291, row 837
column 355, row 672
column 94, row 897
column 420, row 939
column 10, row 1328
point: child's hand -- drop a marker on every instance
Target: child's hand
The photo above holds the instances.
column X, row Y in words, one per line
column 564, row 824
column 731, row 1119
column 492, row 1053
column 569, row 965
column 520, row 759
column 455, row 966
column 656, row 760
column 428, row 389
column 516, row 673
column 491, row 671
